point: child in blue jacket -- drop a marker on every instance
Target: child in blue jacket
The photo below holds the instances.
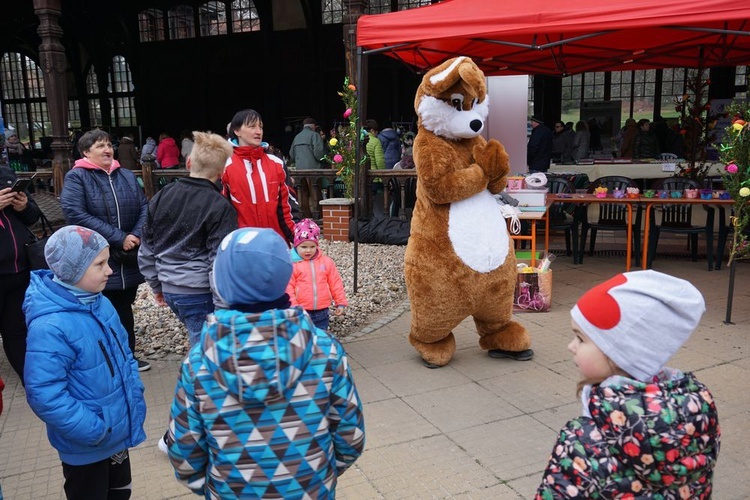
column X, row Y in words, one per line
column 81, row 377
column 265, row 406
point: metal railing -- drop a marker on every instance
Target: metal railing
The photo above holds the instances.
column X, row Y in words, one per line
column 151, row 176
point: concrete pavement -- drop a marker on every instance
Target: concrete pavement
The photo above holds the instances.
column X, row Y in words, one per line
column 479, row 428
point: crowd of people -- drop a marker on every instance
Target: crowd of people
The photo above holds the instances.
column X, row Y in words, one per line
column 255, row 291
column 570, row 143
column 115, row 239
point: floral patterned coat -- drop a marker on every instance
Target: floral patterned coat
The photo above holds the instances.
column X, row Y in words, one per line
column 655, row 440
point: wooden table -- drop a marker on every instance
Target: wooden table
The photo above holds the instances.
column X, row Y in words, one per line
column 632, row 170
column 585, row 199
column 650, row 202
column 535, row 217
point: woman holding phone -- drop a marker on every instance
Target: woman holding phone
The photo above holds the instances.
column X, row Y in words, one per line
column 17, row 212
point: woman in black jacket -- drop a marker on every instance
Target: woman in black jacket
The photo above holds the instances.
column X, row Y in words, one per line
column 17, row 212
column 100, row 195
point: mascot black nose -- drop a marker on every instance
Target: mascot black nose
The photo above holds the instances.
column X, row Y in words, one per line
column 475, row 125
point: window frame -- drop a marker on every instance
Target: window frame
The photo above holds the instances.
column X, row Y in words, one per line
column 26, row 107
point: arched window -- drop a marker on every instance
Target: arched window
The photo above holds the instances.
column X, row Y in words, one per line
column 23, row 98
column 741, row 82
column 333, row 11
column 378, row 7
column 92, row 93
column 244, row 16
column 412, row 4
column 151, row 25
column 213, row 18
column 530, row 104
column 673, row 84
column 181, row 22
column 74, row 114
column 621, row 89
column 121, row 91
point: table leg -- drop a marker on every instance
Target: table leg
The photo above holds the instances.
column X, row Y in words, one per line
column 533, row 243
column 710, row 234
column 629, row 251
column 721, row 238
column 644, row 243
column 546, row 231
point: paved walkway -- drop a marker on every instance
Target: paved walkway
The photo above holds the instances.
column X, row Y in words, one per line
column 478, row 428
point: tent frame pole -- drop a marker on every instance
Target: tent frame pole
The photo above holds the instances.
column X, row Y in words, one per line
column 357, row 165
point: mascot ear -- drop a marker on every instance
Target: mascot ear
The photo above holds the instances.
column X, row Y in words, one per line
column 474, row 78
column 441, row 78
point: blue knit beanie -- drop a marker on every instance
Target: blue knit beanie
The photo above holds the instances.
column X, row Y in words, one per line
column 252, row 265
column 71, row 250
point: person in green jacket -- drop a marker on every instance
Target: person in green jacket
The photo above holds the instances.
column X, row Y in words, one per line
column 374, row 149
column 307, row 152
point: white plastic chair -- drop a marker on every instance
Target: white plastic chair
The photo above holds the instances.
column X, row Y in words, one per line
column 667, row 156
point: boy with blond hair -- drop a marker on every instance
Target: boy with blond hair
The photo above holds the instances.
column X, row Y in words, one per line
column 186, row 222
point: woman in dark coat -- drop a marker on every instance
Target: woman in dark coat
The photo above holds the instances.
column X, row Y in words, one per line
column 126, row 153
column 100, row 195
column 17, row 212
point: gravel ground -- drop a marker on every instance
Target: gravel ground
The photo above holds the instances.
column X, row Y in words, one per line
column 160, row 334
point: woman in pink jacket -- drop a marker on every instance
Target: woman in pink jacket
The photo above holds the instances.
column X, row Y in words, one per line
column 167, row 153
column 315, row 283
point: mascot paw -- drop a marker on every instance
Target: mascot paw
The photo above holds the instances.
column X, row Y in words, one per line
column 435, row 354
column 524, row 355
column 492, row 159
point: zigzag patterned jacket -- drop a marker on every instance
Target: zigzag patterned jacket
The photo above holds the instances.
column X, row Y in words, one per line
column 265, row 407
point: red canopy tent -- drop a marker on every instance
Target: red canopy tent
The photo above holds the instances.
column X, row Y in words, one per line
column 541, row 37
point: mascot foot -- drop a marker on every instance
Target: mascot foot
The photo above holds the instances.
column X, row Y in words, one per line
column 429, row 365
column 435, row 354
column 524, row 355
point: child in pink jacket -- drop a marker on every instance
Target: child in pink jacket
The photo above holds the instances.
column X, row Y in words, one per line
column 315, row 282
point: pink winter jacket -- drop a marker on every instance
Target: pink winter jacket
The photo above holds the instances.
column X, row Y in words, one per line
column 315, row 283
column 167, row 153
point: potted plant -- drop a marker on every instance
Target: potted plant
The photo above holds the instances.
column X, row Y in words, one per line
column 343, row 145
column 696, row 126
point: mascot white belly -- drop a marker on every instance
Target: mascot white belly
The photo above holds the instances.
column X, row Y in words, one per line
column 478, row 232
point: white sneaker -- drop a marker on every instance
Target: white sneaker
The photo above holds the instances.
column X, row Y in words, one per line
column 163, row 446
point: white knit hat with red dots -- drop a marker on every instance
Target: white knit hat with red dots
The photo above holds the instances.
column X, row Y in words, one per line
column 640, row 319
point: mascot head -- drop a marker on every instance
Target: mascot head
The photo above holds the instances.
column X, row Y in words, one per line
column 452, row 100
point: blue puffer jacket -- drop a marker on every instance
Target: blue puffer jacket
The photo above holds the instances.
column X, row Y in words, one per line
column 111, row 204
column 391, row 146
column 81, row 378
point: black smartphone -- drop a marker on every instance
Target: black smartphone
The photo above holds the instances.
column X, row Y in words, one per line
column 22, row 185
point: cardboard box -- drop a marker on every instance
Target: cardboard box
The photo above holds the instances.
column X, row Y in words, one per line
column 530, row 197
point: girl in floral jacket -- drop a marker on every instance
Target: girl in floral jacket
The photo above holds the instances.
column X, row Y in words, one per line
column 647, row 431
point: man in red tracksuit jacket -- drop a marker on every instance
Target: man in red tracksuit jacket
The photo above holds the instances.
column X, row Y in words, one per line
column 255, row 181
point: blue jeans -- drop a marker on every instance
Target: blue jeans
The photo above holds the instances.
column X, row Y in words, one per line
column 320, row 318
column 192, row 310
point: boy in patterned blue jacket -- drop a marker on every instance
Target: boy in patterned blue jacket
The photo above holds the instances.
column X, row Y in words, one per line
column 265, row 406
